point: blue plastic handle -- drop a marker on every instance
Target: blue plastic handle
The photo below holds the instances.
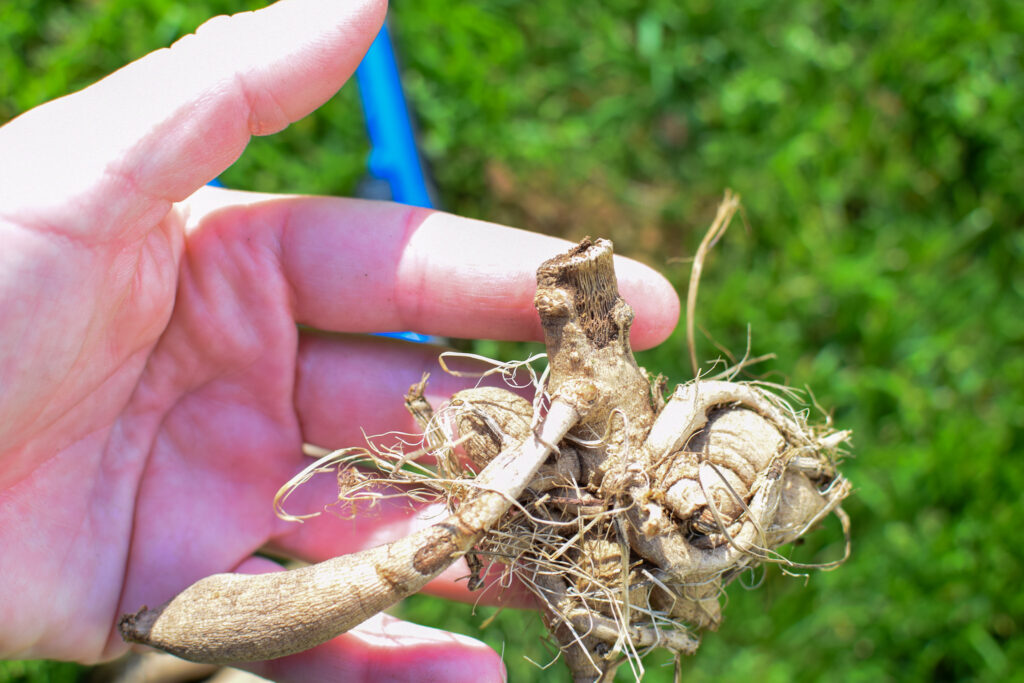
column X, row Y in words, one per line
column 394, row 157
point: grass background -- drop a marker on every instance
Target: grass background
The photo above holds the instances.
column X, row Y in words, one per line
column 878, row 149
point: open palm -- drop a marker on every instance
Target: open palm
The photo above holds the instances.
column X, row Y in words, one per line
column 158, row 365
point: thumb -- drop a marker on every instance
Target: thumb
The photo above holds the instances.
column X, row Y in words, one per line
column 153, row 132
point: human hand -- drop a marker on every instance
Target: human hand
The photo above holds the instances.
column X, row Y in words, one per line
column 154, row 387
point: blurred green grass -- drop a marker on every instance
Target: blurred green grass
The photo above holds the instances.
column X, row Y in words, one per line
column 878, row 149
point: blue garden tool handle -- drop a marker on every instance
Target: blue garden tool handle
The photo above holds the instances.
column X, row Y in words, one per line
column 394, row 156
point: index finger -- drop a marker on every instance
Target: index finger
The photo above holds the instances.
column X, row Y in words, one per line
column 362, row 266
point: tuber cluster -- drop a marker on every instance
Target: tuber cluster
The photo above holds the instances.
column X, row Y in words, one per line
column 626, row 513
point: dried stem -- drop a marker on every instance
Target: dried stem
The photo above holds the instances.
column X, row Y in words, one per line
column 730, row 203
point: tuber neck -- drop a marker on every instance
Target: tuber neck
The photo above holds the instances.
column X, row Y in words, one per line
column 586, row 329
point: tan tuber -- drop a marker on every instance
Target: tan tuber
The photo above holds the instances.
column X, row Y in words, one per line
column 631, row 512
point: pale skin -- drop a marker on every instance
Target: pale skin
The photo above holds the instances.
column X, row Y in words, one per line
column 154, row 388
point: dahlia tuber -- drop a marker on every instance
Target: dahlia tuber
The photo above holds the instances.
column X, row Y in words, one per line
column 625, row 514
